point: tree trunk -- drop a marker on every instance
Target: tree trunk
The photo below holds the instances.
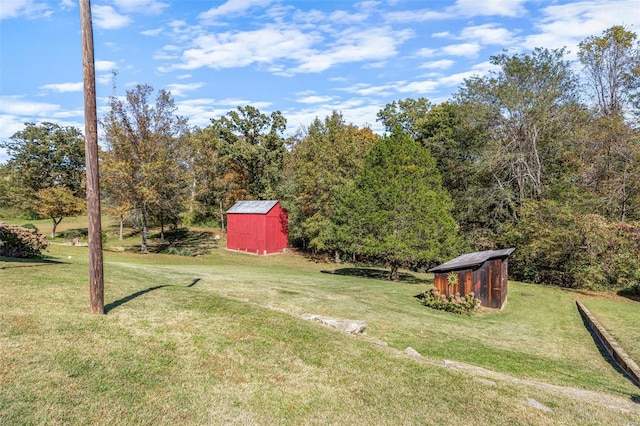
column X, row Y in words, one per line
column 121, row 226
column 394, row 276
column 143, row 246
column 193, row 195
column 55, row 225
column 221, row 218
column 161, row 229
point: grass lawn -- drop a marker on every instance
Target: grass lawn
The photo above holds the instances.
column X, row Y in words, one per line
column 218, row 339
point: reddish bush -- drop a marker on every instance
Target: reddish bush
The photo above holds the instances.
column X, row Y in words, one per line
column 16, row 241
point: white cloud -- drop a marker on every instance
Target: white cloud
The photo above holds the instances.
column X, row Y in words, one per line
column 418, row 87
column 232, row 7
column 568, row 24
column 180, row 90
column 426, row 52
column 152, row 33
column 9, row 125
column 509, row 8
column 104, row 79
column 442, row 64
column 228, row 50
column 344, row 17
column 409, row 16
column 488, row 34
column 236, row 102
column 364, row 89
column 169, row 52
column 200, row 111
column 147, row 7
column 462, row 8
column 16, row 110
column 23, row 8
column 64, row 87
column 442, row 34
column 105, row 65
column 15, row 105
column 362, row 112
column 468, row 50
column 107, row 18
column 356, row 45
column 454, row 80
column 314, row 99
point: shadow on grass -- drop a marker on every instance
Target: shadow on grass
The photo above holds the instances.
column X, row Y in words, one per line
column 605, row 354
column 28, row 263
column 180, row 241
column 110, row 306
column 631, row 293
column 377, row 274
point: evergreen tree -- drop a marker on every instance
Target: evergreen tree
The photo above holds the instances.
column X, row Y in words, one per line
column 397, row 211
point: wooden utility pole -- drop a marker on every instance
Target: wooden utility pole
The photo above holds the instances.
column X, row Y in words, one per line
column 96, row 277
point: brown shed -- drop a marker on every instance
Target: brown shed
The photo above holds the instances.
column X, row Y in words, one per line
column 484, row 273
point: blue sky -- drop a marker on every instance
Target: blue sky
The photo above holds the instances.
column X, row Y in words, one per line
column 303, row 58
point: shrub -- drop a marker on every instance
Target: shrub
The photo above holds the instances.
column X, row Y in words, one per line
column 558, row 247
column 17, row 241
column 180, row 252
column 456, row 304
column 74, row 233
column 633, row 291
column 31, row 226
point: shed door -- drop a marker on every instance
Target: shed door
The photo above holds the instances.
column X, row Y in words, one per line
column 496, row 283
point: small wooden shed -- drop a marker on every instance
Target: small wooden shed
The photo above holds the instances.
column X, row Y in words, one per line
column 258, row 227
column 485, row 273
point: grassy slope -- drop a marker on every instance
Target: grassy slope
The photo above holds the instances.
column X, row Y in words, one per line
column 621, row 317
column 217, row 339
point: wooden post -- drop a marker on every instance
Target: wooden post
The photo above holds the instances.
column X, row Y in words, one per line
column 96, row 278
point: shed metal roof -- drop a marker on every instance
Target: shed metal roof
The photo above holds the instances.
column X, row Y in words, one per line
column 253, row 207
column 471, row 260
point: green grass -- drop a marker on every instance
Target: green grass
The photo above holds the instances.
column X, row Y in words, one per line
column 218, row 339
column 620, row 316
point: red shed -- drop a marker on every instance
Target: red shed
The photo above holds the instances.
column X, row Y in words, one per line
column 485, row 273
column 258, row 227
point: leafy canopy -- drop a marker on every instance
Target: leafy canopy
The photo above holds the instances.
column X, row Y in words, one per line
column 397, row 211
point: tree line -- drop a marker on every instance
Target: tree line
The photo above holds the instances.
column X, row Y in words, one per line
column 538, row 154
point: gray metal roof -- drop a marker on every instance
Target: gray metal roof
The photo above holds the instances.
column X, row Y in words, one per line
column 471, row 260
column 253, row 207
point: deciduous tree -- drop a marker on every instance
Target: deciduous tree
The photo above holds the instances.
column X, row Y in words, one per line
column 42, row 156
column 143, row 165
column 252, row 151
column 525, row 112
column 405, row 115
column 612, row 66
column 328, row 156
column 56, row 203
